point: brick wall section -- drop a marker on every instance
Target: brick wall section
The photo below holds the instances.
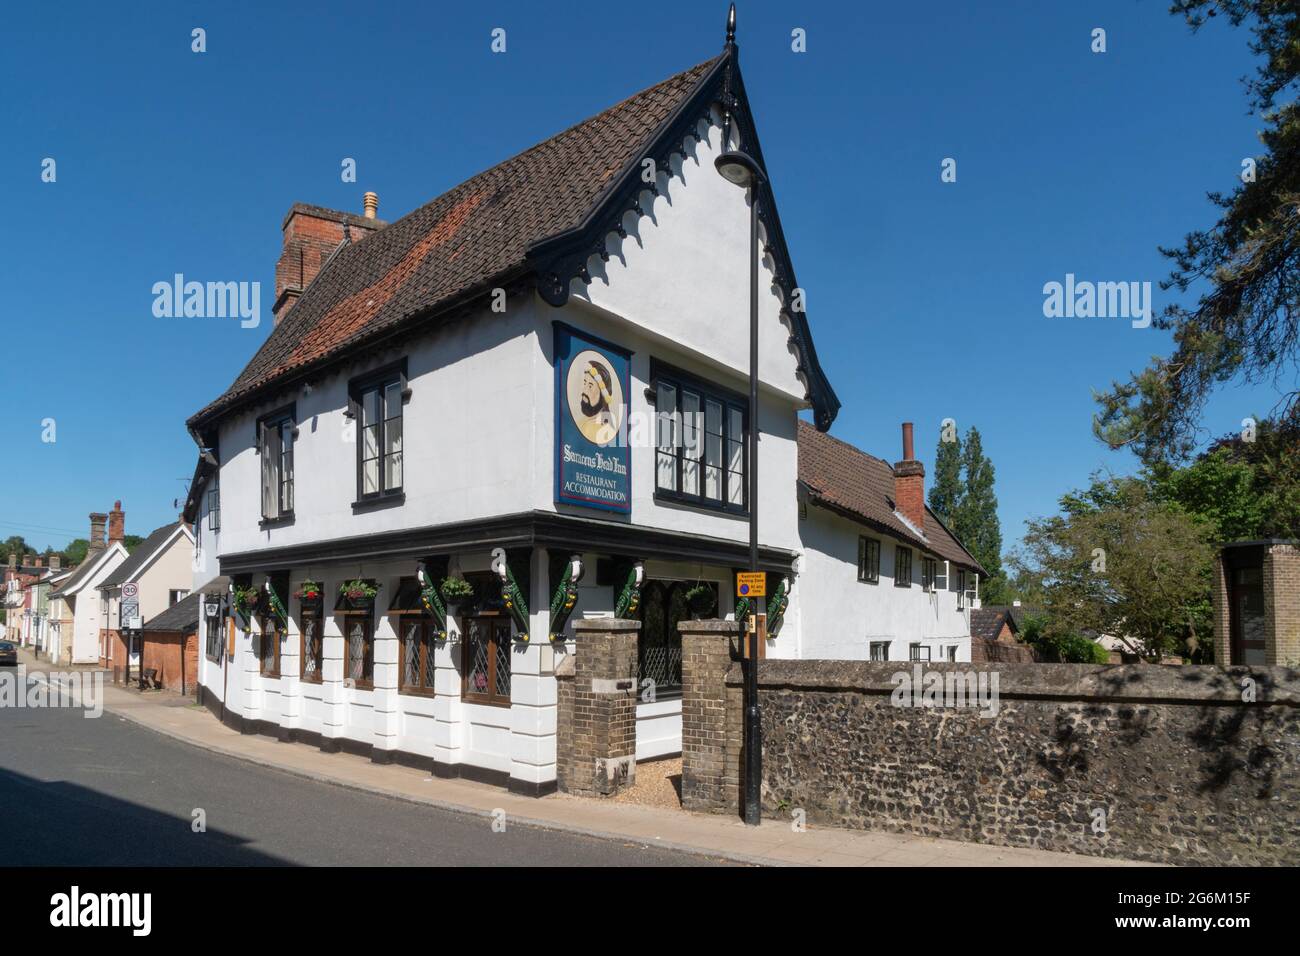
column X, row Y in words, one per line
column 909, row 491
column 165, row 651
column 597, row 697
column 112, row 638
column 1282, row 605
column 708, row 648
column 982, row 650
column 1184, row 771
column 1222, row 636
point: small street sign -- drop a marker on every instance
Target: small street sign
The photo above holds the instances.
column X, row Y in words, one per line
column 130, row 590
column 751, row 584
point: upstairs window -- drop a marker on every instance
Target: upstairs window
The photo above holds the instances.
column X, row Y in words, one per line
column 880, row 650
column 929, row 573
column 377, row 409
column 961, row 590
column 700, row 442
column 275, row 445
column 902, row 567
column 869, row 560
column 214, row 509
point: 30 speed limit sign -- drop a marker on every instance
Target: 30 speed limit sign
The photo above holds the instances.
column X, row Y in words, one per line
column 130, row 590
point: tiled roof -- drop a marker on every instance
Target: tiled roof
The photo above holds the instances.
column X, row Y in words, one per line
column 128, row 568
column 861, row 487
column 83, row 571
column 470, row 239
column 986, row 622
column 181, row 616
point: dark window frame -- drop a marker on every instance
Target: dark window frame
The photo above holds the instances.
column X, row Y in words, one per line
column 364, row 682
column 424, row 637
column 900, row 550
column 729, row 400
column 872, row 650
column 489, row 697
column 868, row 572
column 915, row 649
column 378, row 380
column 214, row 508
column 286, row 415
column 214, row 627
column 275, row 630
column 305, row 653
column 929, row 574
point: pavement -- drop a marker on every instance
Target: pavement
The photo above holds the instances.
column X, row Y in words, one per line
column 714, row 837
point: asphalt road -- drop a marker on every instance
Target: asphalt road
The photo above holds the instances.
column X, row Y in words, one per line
column 107, row 792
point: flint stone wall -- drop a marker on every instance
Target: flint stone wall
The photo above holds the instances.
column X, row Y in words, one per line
column 1183, row 770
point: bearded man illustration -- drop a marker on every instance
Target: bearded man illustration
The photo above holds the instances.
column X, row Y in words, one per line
column 598, row 421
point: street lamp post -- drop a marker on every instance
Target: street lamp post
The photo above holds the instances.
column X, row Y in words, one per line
column 740, row 168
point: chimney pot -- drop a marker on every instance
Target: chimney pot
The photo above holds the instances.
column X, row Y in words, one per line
column 908, row 453
column 371, row 203
column 56, row 563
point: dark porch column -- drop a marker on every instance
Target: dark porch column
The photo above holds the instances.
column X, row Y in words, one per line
column 708, row 782
column 596, row 733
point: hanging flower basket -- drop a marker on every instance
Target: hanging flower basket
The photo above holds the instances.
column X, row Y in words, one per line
column 456, row 592
column 701, row 600
column 359, row 594
column 247, row 600
column 309, row 592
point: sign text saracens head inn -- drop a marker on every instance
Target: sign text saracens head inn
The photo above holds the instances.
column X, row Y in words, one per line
column 593, row 463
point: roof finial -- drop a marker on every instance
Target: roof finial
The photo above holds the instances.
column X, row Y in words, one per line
column 731, row 26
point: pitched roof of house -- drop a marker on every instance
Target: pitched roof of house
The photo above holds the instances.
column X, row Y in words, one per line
column 859, row 486
column 986, row 622
column 83, row 572
column 181, row 616
column 469, row 236
column 141, row 555
column 530, row 218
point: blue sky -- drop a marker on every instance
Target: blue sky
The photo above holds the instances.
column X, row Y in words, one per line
column 925, row 297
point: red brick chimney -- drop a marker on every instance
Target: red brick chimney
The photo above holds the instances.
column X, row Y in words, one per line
column 116, row 523
column 311, row 234
column 97, row 519
column 909, row 484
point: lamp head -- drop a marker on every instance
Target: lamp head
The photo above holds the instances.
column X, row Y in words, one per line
column 739, row 168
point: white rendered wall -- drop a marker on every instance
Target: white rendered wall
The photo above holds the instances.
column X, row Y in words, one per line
column 839, row 616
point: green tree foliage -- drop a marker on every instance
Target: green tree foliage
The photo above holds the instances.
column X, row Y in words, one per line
column 946, row 489
column 1246, row 489
column 1118, row 560
column 962, row 496
column 1245, row 323
column 75, row 551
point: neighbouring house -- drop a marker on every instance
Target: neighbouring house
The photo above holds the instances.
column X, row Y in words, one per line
column 75, row 610
column 18, row 596
column 882, row 578
column 169, row 651
column 995, row 635
column 156, row 575
column 42, row 637
column 526, row 403
column 1257, row 603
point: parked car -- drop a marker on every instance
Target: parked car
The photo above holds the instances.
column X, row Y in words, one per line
column 8, row 653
